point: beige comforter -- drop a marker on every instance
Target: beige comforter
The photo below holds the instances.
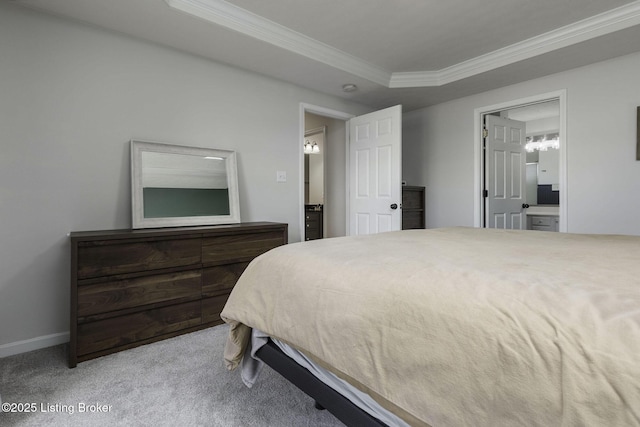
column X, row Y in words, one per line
column 460, row 326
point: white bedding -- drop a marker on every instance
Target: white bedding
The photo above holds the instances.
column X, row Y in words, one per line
column 460, row 326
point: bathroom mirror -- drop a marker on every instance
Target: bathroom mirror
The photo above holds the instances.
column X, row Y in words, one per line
column 174, row 185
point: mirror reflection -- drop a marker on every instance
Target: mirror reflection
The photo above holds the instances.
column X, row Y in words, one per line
column 176, row 185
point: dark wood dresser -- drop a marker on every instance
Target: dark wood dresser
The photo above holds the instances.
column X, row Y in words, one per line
column 413, row 207
column 134, row 287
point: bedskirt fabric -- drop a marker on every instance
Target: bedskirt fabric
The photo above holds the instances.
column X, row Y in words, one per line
column 460, row 326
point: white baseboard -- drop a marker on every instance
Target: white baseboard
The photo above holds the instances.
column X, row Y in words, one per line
column 37, row 343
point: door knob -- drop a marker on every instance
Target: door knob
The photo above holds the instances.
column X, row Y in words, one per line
column 394, row 206
column 525, row 205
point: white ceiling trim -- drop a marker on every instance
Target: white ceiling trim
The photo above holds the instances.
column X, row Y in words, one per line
column 228, row 15
column 595, row 26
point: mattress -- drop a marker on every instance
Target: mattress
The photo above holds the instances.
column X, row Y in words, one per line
column 251, row 367
column 459, row 326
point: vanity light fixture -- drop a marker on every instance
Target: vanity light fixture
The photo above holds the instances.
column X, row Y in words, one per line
column 542, row 142
column 310, row 148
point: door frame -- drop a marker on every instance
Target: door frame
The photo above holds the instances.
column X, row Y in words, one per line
column 479, row 113
column 325, row 112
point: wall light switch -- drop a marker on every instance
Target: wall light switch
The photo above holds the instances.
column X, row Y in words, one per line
column 281, row 176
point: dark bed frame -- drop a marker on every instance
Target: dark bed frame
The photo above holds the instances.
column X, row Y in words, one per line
column 324, row 396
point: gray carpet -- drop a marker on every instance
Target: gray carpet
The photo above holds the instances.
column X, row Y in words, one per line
column 177, row 382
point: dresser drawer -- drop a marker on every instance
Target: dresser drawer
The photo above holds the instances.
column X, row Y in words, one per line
column 541, row 227
column 221, row 279
column 126, row 330
column 412, row 199
column 412, row 220
column 105, row 258
column 312, row 216
column 541, row 220
column 211, row 308
column 312, row 233
column 312, row 226
column 239, row 247
column 139, row 291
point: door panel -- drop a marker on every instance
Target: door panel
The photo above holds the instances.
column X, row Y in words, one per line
column 362, row 173
column 384, row 223
column 517, row 222
column 499, row 173
column 506, row 173
column 375, row 165
column 517, row 176
column 362, row 223
column 385, row 160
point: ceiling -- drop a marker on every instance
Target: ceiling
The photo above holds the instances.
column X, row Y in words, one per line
column 411, row 52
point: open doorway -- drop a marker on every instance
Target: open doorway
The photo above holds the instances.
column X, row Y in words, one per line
column 315, row 151
column 363, row 154
column 537, row 199
column 323, row 190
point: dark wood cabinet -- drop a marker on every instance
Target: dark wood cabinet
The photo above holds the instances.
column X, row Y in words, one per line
column 413, row 205
column 313, row 224
column 133, row 287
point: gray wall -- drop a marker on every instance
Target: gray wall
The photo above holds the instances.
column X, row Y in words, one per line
column 71, row 98
column 602, row 172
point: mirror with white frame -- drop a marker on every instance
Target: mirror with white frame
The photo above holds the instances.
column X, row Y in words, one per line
column 174, row 185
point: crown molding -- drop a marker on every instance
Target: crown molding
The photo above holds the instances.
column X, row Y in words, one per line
column 228, row 15
column 595, row 26
column 415, row 79
column 223, row 13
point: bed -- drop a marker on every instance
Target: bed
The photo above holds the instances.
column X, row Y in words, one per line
column 454, row 326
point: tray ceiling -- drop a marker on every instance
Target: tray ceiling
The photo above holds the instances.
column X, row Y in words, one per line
column 415, row 53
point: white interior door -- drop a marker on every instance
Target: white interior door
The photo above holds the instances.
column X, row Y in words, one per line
column 375, row 169
column 505, row 168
